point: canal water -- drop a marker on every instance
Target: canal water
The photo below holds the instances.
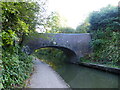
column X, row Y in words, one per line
column 83, row 77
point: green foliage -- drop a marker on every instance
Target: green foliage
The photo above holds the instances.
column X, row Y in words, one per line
column 18, row 19
column 53, row 23
column 104, row 27
column 83, row 28
column 1, row 67
column 17, row 67
column 66, row 30
column 51, row 56
column 106, row 17
column 8, row 37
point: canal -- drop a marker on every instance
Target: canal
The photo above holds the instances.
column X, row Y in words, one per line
column 83, row 77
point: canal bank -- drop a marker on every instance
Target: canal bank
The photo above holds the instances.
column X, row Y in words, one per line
column 101, row 67
column 78, row 76
column 45, row 77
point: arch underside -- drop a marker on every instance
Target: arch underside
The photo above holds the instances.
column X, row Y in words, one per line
column 74, row 46
column 70, row 54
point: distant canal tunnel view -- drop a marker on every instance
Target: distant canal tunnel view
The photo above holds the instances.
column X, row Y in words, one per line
column 60, row 44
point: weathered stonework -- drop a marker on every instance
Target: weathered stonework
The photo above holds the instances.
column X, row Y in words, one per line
column 74, row 45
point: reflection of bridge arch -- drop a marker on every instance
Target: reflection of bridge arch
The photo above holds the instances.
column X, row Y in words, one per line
column 73, row 45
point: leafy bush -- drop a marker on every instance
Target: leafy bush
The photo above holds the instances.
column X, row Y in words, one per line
column 18, row 19
column 17, row 68
column 106, row 48
column 104, row 28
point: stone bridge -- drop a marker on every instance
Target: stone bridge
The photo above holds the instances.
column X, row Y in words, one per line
column 74, row 46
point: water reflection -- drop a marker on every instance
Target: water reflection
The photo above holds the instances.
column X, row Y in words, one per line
column 82, row 77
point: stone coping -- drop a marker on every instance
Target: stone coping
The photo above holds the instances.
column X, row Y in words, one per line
column 101, row 67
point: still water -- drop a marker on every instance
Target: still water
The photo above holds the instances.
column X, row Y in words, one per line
column 82, row 77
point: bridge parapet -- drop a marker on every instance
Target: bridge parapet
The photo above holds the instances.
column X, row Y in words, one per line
column 74, row 45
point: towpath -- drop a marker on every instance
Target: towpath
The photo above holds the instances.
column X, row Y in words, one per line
column 45, row 77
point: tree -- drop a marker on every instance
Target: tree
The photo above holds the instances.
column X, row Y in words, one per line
column 18, row 19
column 107, row 16
column 104, row 27
column 66, row 30
column 83, row 28
column 53, row 23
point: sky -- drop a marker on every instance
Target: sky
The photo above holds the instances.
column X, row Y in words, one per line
column 75, row 11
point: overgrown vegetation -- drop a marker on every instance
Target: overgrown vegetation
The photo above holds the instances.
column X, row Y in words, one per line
column 105, row 30
column 17, row 68
column 51, row 56
column 18, row 19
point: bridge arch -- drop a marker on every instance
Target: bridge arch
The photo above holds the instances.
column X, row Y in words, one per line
column 74, row 46
column 70, row 54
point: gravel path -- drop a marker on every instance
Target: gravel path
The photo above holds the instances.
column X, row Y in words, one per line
column 45, row 77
